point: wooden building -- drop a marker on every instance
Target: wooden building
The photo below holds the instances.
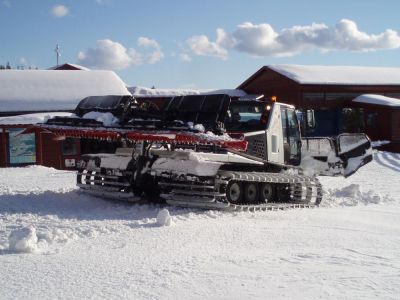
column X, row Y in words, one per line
column 330, row 91
column 31, row 96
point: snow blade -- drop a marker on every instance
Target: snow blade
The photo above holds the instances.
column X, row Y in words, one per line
column 354, row 149
column 339, row 156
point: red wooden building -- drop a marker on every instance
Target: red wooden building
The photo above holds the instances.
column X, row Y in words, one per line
column 330, row 91
column 31, row 96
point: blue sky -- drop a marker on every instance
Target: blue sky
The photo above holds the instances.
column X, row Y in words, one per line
column 198, row 44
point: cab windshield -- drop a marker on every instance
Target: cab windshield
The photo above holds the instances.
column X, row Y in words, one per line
column 247, row 116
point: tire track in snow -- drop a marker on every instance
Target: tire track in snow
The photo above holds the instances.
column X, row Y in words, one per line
column 385, row 160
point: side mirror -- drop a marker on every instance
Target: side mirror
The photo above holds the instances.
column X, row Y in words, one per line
column 310, row 119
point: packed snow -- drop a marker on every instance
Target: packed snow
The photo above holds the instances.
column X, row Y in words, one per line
column 56, row 242
column 345, row 75
column 164, row 218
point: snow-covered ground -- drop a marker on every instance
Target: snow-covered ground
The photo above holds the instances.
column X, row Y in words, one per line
column 77, row 246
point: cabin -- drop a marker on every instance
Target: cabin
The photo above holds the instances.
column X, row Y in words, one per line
column 331, row 91
column 28, row 97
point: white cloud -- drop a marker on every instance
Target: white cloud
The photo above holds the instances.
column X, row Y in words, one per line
column 262, row 40
column 201, row 45
column 146, row 42
column 59, row 11
column 349, row 37
column 154, row 56
column 112, row 55
column 108, row 55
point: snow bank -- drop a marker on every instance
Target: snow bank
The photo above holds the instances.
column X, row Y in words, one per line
column 352, row 195
column 164, row 218
column 28, row 240
column 23, row 240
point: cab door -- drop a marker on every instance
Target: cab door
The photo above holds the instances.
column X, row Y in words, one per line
column 291, row 136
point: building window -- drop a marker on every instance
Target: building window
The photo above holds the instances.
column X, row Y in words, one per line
column 393, row 95
column 341, row 96
column 371, row 119
column 313, row 97
column 68, row 147
column 21, row 147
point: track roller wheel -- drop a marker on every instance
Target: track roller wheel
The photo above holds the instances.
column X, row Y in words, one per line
column 267, row 192
column 251, row 192
column 234, row 192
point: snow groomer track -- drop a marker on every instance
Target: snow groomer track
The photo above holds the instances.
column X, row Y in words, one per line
column 303, row 191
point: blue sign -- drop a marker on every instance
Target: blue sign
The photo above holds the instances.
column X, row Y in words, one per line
column 21, row 147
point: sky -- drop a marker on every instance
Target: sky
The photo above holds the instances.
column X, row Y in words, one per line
column 208, row 44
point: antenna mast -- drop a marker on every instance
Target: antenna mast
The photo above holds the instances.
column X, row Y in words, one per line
column 57, row 50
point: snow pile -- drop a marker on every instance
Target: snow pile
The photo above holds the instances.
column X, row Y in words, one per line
column 313, row 166
column 196, row 127
column 108, row 119
column 23, row 240
column 164, row 218
column 352, row 195
column 199, row 128
column 29, row 240
column 375, row 144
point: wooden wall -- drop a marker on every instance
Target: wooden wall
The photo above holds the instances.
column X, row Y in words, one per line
column 48, row 149
column 3, row 148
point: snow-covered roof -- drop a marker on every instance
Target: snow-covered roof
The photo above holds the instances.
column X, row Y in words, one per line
column 69, row 65
column 231, row 92
column 378, row 100
column 32, row 118
column 38, row 90
column 343, row 75
column 137, row 91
